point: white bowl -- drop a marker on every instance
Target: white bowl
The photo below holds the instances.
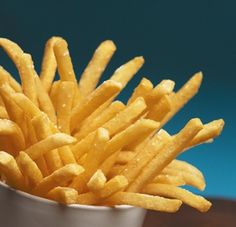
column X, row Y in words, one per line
column 19, row 209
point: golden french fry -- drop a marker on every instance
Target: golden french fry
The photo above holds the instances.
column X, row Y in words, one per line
column 63, row 59
column 142, row 157
column 12, row 50
column 108, row 164
column 27, row 75
column 29, row 169
column 49, row 143
column 168, row 153
column 189, row 178
column 104, row 92
column 186, row 167
column 54, row 91
column 165, row 87
column 49, row 64
column 14, row 133
column 145, row 201
column 125, row 72
column 97, row 181
column 128, row 136
column 160, row 110
column 64, row 103
column 144, row 87
column 60, row 177
column 168, row 179
column 101, row 57
column 45, row 103
column 29, row 108
column 115, row 184
column 66, row 155
column 11, row 171
column 184, row 95
column 106, row 115
column 63, row 195
column 125, row 117
column 15, row 113
column 91, row 164
column 195, row 201
column 209, row 131
column 5, row 77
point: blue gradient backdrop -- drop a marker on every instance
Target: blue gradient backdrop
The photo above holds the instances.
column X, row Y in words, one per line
column 177, row 39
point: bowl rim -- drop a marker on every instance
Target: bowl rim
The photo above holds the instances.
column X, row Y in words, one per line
column 54, row 203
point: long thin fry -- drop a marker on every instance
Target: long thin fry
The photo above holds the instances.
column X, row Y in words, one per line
column 104, row 92
column 184, row 95
column 164, row 157
column 63, row 59
column 195, row 201
column 145, row 201
column 125, row 72
column 168, row 179
column 28, row 74
column 29, row 169
column 144, row 87
column 97, row 181
column 101, row 57
column 49, row 143
column 9, row 168
column 49, row 64
column 60, row 177
column 99, row 120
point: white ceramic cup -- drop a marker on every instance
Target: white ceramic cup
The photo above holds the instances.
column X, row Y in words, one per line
column 19, row 209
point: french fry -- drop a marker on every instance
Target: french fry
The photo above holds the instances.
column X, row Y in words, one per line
column 45, row 103
column 14, row 112
column 29, row 169
column 170, row 191
column 11, row 171
column 165, row 87
column 186, row 167
column 107, row 165
column 28, row 74
column 160, row 110
column 189, row 178
column 91, row 165
column 143, row 156
column 168, row 179
column 144, row 87
column 63, row 59
column 60, row 177
column 209, row 131
column 54, row 91
column 184, row 95
column 64, row 105
column 63, row 195
column 49, row 64
column 128, row 136
column 101, row 57
column 49, row 143
column 14, row 133
column 100, row 119
column 5, row 77
column 145, row 201
column 125, row 72
column 164, row 157
column 12, row 50
column 115, row 184
column 97, row 181
column 93, row 101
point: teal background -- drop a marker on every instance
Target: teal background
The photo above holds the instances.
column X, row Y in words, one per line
column 177, row 39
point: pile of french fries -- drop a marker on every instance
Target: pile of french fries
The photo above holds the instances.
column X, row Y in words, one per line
column 73, row 142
